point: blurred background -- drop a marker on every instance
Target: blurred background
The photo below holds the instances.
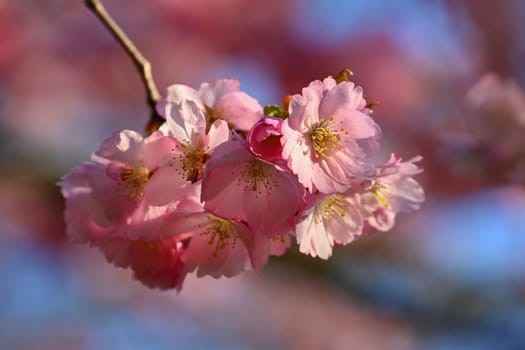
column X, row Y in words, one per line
column 449, row 77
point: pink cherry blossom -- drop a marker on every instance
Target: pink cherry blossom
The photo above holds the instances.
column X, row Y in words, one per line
column 216, row 246
column 327, row 135
column 156, row 263
column 327, row 220
column 86, row 219
column 221, row 247
column 238, row 185
column 194, row 141
column 125, row 190
column 224, row 101
column 220, row 100
column 393, row 191
column 220, row 188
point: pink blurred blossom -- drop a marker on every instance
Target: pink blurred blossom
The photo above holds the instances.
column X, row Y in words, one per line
column 393, row 190
column 156, row 263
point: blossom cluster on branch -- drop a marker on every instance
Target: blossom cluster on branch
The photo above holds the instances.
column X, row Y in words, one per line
column 224, row 183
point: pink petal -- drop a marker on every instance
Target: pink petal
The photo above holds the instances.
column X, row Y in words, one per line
column 123, row 146
column 80, row 225
column 264, row 247
column 218, row 134
column 304, row 111
column 357, row 124
column 345, row 228
column 203, row 255
column 165, row 185
column 381, row 219
column 268, row 204
column 221, row 192
column 145, row 222
column 212, row 93
column 271, row 210
column 179, row 92
column 239, row 109
column 185, row 121
column 313, row 239
column 157, row 263
column 157, row 150
column 181, row 224
column 344, row 96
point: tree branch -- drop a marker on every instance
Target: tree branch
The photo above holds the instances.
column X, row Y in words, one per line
column 142, row 64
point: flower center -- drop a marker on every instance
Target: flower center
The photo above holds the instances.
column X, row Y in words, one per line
column 378, row 191
column 192, row 162
column 256, row 177
column 329, row 208
column 326, row 138
column 135, row 179
column 222, row 233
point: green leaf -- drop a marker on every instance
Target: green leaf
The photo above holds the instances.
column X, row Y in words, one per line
column 275, row 111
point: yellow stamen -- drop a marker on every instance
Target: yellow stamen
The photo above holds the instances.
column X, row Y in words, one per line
column 329, row 208
column 193, row 162
column 326, row 138
column 377, row 190
column 257, row 175
column 222, row 233
column 134, row 180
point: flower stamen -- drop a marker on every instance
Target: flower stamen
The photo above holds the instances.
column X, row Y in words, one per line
column 222, row 233
column 135, row 179
column 329, row 208
column 256, row 175
column 193, row 162
column 378, row 189
column 326, row 138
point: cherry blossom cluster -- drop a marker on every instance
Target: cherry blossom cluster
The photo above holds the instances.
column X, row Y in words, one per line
column 224, row 183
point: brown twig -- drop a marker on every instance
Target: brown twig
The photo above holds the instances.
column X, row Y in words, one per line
column 142, row 64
